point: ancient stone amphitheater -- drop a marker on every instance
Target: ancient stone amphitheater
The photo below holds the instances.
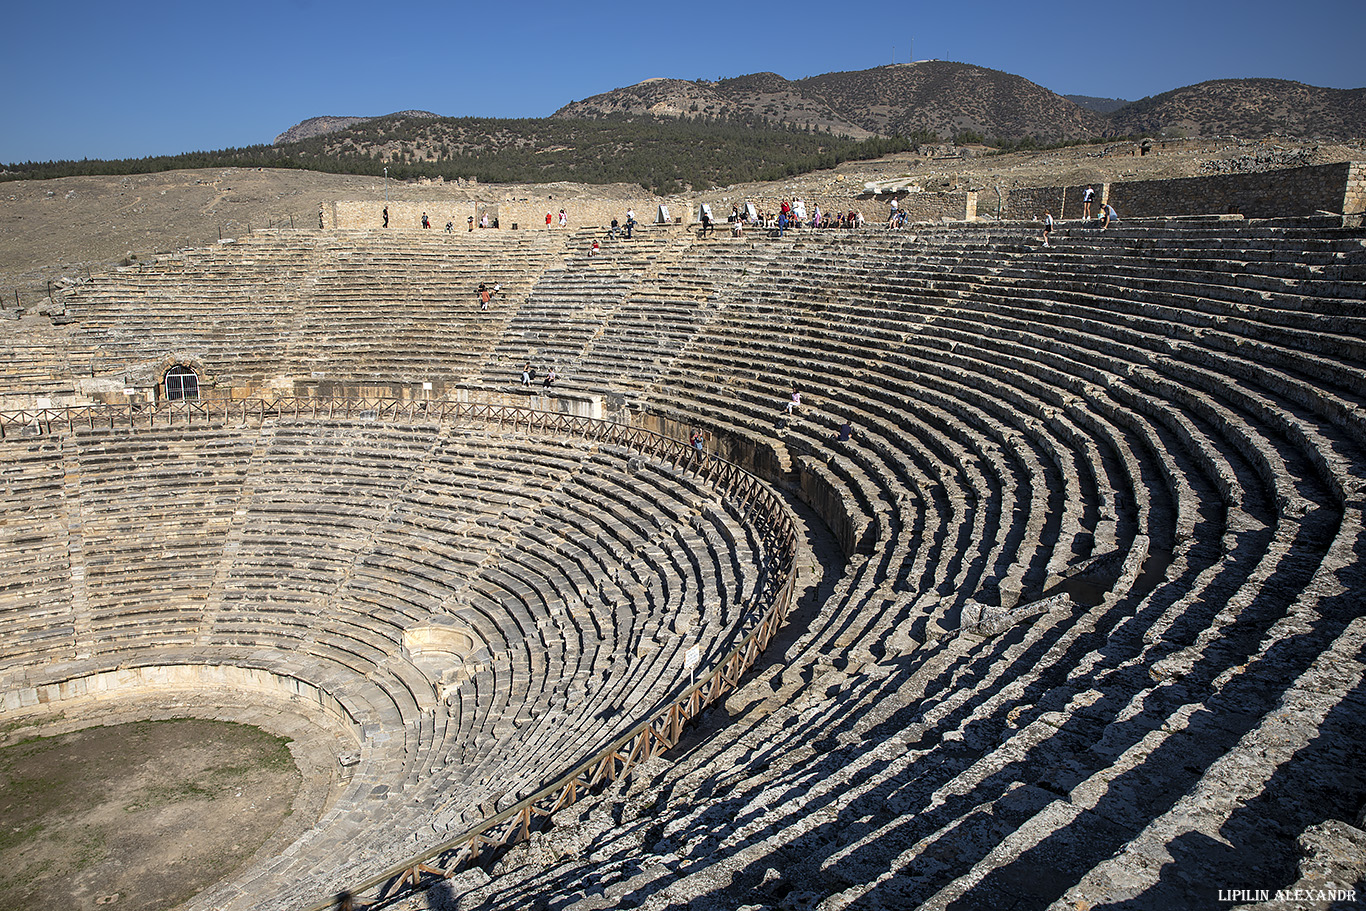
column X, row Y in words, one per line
column 1076, row 617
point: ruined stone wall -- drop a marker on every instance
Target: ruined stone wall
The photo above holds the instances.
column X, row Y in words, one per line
column 1270, row 194
column 1354, row 200
column 1287, row 192
column 1032, row 202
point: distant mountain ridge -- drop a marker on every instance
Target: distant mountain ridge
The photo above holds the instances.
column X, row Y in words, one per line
column 905, row 99
column 949, row 100
column 1099, row 105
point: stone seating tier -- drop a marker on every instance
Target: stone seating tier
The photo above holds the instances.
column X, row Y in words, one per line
column 309, row 549
column 1102, row 524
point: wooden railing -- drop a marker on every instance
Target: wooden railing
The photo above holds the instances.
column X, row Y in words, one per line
column 663, row 724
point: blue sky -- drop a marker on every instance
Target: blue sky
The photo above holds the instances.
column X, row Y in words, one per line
column 113, row 80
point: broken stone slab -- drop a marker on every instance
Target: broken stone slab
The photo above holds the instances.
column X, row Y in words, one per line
column 992, row 620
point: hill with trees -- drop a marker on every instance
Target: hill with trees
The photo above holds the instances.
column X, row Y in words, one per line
column 932, row 98
column 1248, row 108
column 663, row 155
column 671, row 135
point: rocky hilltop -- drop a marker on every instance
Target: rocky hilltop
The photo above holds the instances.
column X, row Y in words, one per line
column 950, row 98
column 1249, row 107
column 902, row 99
column 322, row 126
column 764, row 96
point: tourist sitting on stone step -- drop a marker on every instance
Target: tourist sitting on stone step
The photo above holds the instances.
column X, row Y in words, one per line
column 1107, row 215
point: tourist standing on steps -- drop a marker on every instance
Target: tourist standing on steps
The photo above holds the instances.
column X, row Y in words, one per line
column 425, row 222
column 386, row 217
column 697, row 440
column 1047, row 227
column 564, row 219
column 547, row 221
column 470, row 222
column 320, row 217
column 526, row 375
column 630, row 222
column 1087, row 197
column 486, row 294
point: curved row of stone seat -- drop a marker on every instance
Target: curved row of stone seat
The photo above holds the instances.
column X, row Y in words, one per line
column 495, row 773
column 1284, row 272
column 349, row 304
column 952, row 486
column 38, row 367
column 1107, row 743
column 424, row 297
column 35, row 578
column 985, row 340
column 1083, row 385
column 571, row 303
column 890, row 411
column 312, row 549
column 1021, row 423
column 660, row 317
